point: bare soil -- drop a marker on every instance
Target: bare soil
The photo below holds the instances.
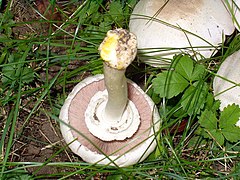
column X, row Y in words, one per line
column 38, row 139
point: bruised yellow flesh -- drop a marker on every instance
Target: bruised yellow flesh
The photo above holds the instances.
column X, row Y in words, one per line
column 108, row 52
column 118, row 49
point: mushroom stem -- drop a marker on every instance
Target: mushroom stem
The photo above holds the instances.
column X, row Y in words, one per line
column 116, row 85
column 117, row 50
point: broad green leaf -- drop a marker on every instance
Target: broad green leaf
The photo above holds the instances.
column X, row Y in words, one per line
column 115, row 8
column 229, row 116
column 11, row 58
column 216, row 135
column 184, row 66
column 105, row 26
column 188, row 68
column 198, row 72
column 212, row 104
column 116, row 12
column 169, row 84
column 97, row 17
column 92, row 8
column 194, row 98
column 208, row 120
column 8, row 74
column 232, row 133
column 28, row 75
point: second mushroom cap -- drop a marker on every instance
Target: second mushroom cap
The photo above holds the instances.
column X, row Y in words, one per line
column 196, row 27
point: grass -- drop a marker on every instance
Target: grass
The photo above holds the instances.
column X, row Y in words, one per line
column 41, row 61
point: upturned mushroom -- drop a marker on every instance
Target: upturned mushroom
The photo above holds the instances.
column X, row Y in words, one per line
column 226, row 85
column 108, row 119
column 165, row 28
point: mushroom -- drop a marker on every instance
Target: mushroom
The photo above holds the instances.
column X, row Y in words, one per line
column 108, row 119
column 226, row 84
column 165, row 28
column 233, row 6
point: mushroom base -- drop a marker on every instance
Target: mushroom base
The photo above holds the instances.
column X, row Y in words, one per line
column 116, row 152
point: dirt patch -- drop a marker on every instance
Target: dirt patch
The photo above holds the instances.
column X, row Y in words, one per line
column 38, row 139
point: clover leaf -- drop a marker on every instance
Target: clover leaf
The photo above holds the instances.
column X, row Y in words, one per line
column 228, row 119
column 169, row 84
column 209, row 122
column 184, row 72
column 224, row 128
column 184, row 66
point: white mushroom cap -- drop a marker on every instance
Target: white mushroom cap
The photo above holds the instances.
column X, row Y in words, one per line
column 225, row 84
column 200, row 24
column 233, row 7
